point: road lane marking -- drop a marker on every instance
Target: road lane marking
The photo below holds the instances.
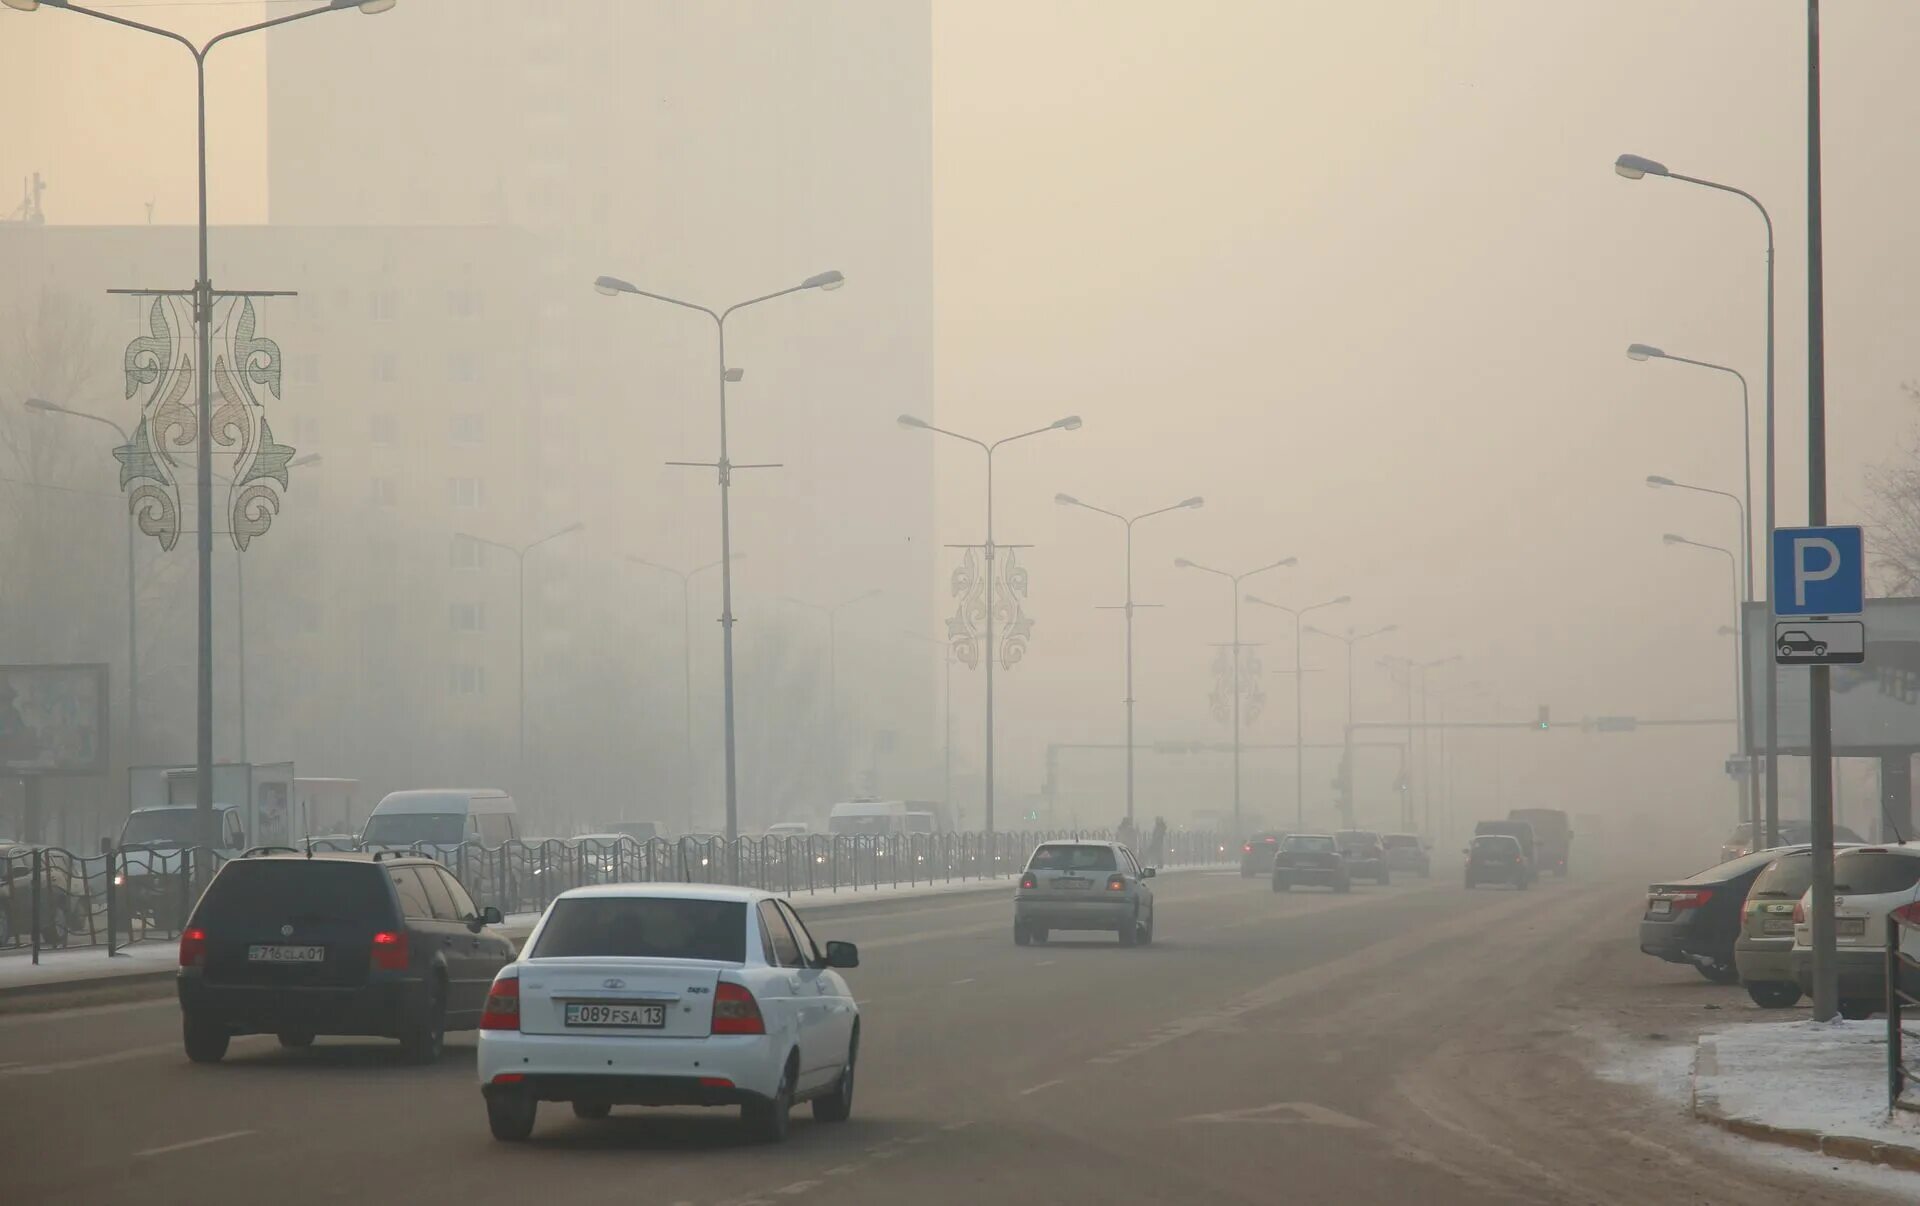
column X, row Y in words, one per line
column 1286, row 1113
column 91, row 1061
column 1045, row 1084
column 968, row 980
column 180, row 1147
column 1045, row 963
column 796, row 1187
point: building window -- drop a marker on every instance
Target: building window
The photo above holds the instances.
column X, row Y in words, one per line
column 466, row 429
column 386, row 369
column 385, row 429
column 383, row 303
column 466, row 492
column 467, row 617
column 465, row 678
column 386, row 492
column 466, row 553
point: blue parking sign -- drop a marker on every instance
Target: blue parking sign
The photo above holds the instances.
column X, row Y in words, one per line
column 1819, row 572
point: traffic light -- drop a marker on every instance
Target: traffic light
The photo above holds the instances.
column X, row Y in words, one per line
column 1543, row 724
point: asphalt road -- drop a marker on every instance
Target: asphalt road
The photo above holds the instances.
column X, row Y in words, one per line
column 1416, row 1043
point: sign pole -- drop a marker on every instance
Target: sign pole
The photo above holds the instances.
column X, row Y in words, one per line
column 1820, row 714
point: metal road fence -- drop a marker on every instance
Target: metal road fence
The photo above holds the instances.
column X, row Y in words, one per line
column 54, row 899
column 1903, row 981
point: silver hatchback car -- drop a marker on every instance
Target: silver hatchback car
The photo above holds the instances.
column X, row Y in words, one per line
column 1082, row 885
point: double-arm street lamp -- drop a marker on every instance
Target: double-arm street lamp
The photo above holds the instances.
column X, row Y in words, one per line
column 1744, row 580
column 1739, row 659
column 613, row 286
column 1069, row 423
column 1233, row 584
column 203, row 324
column 1635, row 167
column 1299, row 699
column 520, row 552
column 686, row 662
column 1350, row 639
column 1068, row 500
column 834, row 736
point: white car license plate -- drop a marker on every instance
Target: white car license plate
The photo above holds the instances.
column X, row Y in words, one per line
column 1662, row 907
column 1072, row 885
column 1850, row 927
column 286, row 954
column 1777, row 925
column 629, row 1014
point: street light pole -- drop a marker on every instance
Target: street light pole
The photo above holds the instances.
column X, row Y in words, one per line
column 1742, row 679
column 832, row 612
column 686, row 665
column 203, row 326
column 1069, row 423
column 1739, row 662
column 1299, row 702
column 1634, row 167
column 610, row 286
column 1068, row 500
column 1351, row 639
column 133, row 610
column 1233, row 584
column 520, row 559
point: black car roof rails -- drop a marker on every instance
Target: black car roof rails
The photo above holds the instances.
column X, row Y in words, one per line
column 258, row 851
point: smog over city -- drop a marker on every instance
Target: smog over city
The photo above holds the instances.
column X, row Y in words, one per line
column 719, row 543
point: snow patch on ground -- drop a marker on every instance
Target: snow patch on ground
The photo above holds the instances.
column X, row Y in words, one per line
column 1828, row 1077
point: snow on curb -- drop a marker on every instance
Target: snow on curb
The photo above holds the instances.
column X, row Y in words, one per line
column 1816, row 1087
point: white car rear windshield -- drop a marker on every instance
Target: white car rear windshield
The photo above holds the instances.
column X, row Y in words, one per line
column 1872, row 872
column 1073, row 858
column 645, row 927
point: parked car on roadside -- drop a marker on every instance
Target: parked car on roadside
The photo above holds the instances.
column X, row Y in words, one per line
column 1696, row 920
column 1792, row 833
column 1256, row 853
column 1497, row 858
column 300, row 945
column 1869, row 884
column 1310, row 858
column 1366, row 857
column 1763, row 953
column 1407, row 852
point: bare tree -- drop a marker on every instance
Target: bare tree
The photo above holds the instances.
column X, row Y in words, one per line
column 1893, row 511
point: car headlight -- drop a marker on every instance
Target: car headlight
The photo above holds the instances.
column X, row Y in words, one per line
column 120, row 880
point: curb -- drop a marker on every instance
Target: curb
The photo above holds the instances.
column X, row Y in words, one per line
column 62, row 994
column 1839, row 1147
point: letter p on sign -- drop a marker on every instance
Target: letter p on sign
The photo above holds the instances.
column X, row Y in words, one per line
column 1818, row 572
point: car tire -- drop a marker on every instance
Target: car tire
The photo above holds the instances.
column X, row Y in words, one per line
column 510, row 1116
column 1774, row 994
column 1385, row 877
column 205, row 1040
column 1021, row 935
column 1146, row 931
column 1719, row 972
column 424, row 1036
column 1859, row 1009
column 1282, row 885
column 593, row 1111
column 767, row 1121
column 837, row 1106
column 1130, row 932
column 295, row 1040
column 1040, row 934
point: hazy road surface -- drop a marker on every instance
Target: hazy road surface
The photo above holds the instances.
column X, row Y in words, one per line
column 1410, row 1044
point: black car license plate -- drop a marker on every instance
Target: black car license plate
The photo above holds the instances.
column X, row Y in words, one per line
column 628, row 1015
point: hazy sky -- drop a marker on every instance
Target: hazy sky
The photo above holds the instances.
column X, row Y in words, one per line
column 1360, row 274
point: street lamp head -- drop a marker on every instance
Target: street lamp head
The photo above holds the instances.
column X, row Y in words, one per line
column 570, row 529
column 612, row 286
column 1182, row 563
column 1291, row 561
column 36, row 403
column 911, row 421
column 1670, row 538
column 374, row 7
column 829, row 281
column 1644, row 351
column 1341, row 599
column 1635, row 166
column 1066, row 500
column 1194, row 503
column 1655, row 480
column 1388, row 628
column 25, row 6
column 733, row 375
column 1070, row 423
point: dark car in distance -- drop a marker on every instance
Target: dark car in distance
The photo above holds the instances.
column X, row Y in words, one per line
column 1366, row 855
column 1256, row 853
column 1407, row 852
column 299, row 945
column 1497, row 858
column 1310, row 858
column 1697, row 920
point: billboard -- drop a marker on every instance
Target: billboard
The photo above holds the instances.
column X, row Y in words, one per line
column 1876, row 704
column 53, row 719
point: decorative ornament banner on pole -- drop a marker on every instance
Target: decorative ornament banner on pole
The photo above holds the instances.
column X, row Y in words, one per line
column 161, row 362
column 966, row 628
column 1016, row 627
column 1253, row 698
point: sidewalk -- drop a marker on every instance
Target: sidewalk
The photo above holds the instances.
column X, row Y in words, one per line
column 1819, row 1087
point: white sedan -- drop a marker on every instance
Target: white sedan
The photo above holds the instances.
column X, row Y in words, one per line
column 670, row 994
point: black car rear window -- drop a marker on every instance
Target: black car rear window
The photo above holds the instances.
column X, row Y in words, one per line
column 285, row 889
column 1787, row 878
column 1394, row 841
column 1311, row 845
column 1073, row 858
column 645, row 927
column 1871, row 872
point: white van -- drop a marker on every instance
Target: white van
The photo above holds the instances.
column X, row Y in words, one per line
column 443, row 816
column 857, row 817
